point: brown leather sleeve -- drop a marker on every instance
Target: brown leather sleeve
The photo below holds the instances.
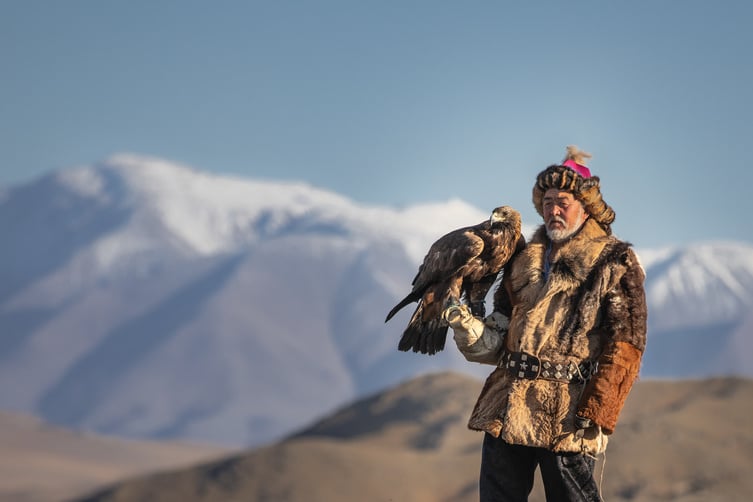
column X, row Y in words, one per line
column 607, row 391
column 625, row 315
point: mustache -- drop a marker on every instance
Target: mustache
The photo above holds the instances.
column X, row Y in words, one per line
column 557, row 219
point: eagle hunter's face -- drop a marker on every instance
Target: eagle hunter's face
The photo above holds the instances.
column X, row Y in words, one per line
column 563, row 214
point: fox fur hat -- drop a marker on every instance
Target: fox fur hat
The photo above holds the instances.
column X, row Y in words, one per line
column 586, row 188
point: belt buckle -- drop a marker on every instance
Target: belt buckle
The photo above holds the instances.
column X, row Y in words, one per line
column 524, row 365
column 559, row 372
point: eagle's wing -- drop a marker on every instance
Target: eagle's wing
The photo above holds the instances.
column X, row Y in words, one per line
column 447, row 256
column 441, row 266
column 499, row 249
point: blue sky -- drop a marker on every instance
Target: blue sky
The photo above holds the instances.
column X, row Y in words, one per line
column 400, row 102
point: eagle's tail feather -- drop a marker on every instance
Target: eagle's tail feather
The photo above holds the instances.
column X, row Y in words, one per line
column 424, row 337
column 409, row 340
column 405, row 301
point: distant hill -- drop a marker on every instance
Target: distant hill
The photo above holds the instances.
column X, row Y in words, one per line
column 40, row 462
column 146, row 299
column 677, row 440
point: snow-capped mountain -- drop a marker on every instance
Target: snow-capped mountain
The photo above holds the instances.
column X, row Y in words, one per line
column 700, row 316
column 143, row 298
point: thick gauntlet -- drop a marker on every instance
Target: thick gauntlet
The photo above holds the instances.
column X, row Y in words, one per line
column 478, row 340
column 468, row 329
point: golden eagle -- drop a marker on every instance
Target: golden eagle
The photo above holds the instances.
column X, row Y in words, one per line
column 461, row 264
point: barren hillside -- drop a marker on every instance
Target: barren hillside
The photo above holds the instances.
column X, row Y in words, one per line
column 43, row 463
column 677, row 440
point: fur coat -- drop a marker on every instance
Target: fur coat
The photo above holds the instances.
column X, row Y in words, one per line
column 590, row 307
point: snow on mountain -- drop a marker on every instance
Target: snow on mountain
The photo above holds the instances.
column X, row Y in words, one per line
column 699, row 299
column 206, row 214
column 707, row 283
column 143, row 298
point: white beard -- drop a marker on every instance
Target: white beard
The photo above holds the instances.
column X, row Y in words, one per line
column 562, row 234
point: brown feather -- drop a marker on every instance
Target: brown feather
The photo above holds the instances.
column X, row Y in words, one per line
column 462, row 265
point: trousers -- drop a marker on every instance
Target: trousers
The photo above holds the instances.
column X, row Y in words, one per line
column 507, row 472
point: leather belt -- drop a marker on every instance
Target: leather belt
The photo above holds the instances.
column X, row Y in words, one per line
column 530, row 367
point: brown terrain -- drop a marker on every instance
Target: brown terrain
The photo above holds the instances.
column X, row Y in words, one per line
column 43, row 463
column 677, row 440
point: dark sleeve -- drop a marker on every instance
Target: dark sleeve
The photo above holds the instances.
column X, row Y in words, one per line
column 624, row 324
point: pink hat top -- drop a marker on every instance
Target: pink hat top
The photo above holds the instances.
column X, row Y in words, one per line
column 578, row 168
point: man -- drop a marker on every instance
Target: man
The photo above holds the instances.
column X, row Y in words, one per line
column 567, row 335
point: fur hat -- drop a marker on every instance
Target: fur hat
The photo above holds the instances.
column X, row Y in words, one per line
column 585, row 189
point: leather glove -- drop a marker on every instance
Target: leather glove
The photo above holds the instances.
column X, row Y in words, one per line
column 485, row 336
column 467, row 328
column 457, row 316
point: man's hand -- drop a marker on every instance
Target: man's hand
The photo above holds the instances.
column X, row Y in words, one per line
column 467, row 328
column 479, row 340
column 582, row 422
column 457, row 316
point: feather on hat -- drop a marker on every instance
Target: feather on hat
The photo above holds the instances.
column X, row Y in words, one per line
column 573, row 176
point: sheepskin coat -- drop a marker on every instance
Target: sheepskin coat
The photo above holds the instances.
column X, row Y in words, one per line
column 590, row 307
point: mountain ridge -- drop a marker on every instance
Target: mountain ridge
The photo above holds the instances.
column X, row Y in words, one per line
column 147, row 299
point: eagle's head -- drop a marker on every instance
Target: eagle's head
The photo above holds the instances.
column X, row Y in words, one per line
column 504, row 216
